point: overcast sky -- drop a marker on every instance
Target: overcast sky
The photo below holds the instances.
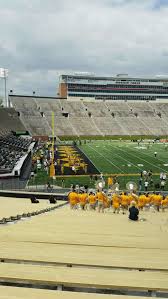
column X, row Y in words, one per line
column 40, row 39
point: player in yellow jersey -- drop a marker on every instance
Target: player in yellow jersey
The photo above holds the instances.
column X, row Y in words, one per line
column 150, row 195
column 92, row 201
column 124, row 202
column 73, row 199
column 83, row 200
column 148, row 200
column 101, row 200
column 107, row 202
column 116, row 200
column 157, row 198
column 164, row 203
column 141, row 201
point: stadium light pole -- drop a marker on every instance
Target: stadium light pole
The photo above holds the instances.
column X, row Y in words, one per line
column 4, row 75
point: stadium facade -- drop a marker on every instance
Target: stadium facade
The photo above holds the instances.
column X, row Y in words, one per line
column 120, row 87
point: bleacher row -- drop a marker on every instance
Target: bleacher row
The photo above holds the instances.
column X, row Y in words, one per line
column 92, row 118
column 10, row 121
column 11, row 150
column 23, row 209
column 68, row 255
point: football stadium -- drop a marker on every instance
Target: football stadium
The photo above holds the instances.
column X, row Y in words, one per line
column 84, row 190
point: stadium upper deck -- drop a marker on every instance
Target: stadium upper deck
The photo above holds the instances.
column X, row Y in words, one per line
column 113, row 88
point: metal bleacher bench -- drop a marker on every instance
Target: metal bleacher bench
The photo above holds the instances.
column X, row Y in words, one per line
column 84, row 278
column 27, row 293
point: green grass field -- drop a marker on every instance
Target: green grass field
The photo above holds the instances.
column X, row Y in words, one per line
column 126, row 159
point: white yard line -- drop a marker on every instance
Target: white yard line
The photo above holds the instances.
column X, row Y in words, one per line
column 106, row 159
column 150, row 156
column 125, row 160
column 142, row 159
column 133, row 149
column 90, row 160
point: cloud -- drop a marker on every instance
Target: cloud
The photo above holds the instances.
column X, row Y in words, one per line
column 41, row 39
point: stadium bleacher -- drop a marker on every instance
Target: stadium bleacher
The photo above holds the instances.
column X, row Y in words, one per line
column 86, row 252
column 10, row 121
column 75, row 118
column 14, row 209
column 12, row 148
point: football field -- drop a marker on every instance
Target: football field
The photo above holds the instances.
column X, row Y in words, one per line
column 127, row 158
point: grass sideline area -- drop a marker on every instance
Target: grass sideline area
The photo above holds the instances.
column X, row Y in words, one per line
column 125, row 159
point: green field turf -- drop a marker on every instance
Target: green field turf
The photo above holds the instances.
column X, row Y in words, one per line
column 125, row 159
column 112, row 157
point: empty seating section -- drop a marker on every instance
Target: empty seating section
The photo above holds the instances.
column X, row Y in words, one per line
column 9, row 121
column 140, row 106
column 119, row 109
column 92, row 117
column 157, row 126
column 11, row 150
column 75, row 108
column 4, row 132
column 81, row 252
column 36, row 125
column 160, row 108
column 87, row 278
column 108, row 126
column 117, row 106
column 30, row 293
column 24, row 103
column 149, row 114
column 64, row 127
column 31, row 116
column 142, row 109
column 84, row 127
column 13, row 209
column 46, row 106
column 96, row 109
column 13, row 206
